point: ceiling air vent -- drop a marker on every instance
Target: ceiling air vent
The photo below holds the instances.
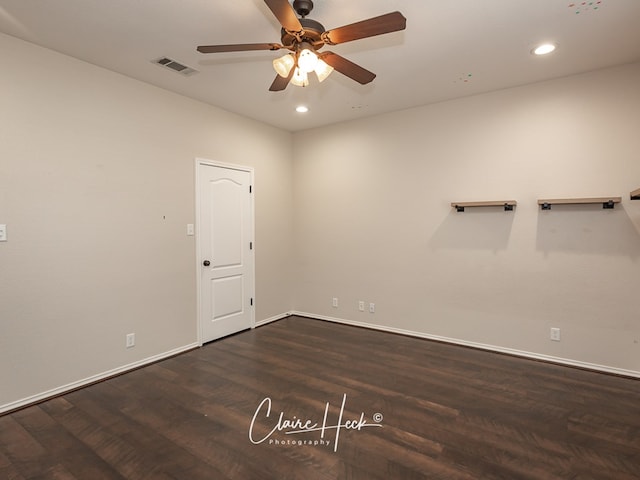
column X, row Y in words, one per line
column 175, row 66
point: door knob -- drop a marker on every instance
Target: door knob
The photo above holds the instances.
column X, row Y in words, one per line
column 206, row 263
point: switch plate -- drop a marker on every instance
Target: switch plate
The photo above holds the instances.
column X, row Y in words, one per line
column 335, row 302
column 372, row 308
column 361, row 306
column 190, row 229
column 555, row 334
column 3, row 233
column 131, row 340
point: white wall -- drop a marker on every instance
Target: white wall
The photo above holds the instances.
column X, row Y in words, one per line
column 97, row 186
column 373, row 220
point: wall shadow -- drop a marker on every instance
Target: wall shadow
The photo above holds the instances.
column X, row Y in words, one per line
column 477, row 228
column 587, row 229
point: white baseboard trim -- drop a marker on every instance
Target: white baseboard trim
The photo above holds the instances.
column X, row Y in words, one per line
column 482, row 346
column 93, row 379
column 272, row 319
column 146, row 361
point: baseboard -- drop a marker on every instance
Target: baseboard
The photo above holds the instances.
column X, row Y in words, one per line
column 493, row 348
column 33, row 399
column 155, row 358
column 272, row 319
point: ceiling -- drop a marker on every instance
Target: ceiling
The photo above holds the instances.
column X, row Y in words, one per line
column 450, row 48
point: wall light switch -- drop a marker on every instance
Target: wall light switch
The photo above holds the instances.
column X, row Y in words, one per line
column 190, row 229
column 3, row 233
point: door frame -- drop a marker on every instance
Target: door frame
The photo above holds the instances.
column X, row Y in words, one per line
column 199, row 162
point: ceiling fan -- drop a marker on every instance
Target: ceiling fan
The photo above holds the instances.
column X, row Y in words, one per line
column 304, row 37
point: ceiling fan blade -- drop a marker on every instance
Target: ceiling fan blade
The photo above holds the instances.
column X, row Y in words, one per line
column 285, row 14
column 241, row 47
column 391, row 22
column 348, row 68
column 280, row 83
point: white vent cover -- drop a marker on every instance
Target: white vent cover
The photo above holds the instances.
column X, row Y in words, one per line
column 175, row 66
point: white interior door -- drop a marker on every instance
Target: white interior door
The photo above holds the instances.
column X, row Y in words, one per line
column 225, row 240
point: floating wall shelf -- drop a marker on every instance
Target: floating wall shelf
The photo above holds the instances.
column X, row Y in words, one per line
column 607, row 202
column 507, row 204
column 635, row 195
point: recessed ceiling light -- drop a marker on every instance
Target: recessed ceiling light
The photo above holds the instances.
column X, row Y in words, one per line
column 544, row 49
column 302, row 109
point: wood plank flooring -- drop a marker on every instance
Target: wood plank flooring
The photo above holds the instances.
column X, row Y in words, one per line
column 411, row 409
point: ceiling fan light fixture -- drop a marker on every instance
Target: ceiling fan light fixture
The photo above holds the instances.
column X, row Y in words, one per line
column 300, row 78
column 307, row 58
column 323, row 70
column 283, row 65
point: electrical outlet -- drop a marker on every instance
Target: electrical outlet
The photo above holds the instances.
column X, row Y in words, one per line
column 361, row 306
column 555, row 334
column 372, row 308
column 131, row 340
column 335, row 302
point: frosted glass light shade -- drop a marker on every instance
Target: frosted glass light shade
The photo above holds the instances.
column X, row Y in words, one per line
column 283, row 65
column 300, row 78
column 323, row 70
column 307, row 60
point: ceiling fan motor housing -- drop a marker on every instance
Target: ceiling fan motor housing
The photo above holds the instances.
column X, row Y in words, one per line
column 312, row 34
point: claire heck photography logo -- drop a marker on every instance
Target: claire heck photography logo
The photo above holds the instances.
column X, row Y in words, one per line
column 284, row 430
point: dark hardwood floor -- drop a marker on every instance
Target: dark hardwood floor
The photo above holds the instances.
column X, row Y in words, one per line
column 411, row 409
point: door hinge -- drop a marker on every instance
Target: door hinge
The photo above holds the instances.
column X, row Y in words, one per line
column 252, row 302
column 250, row 245
column 250, row 188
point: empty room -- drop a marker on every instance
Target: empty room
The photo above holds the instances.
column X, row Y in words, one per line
column 271, row 239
